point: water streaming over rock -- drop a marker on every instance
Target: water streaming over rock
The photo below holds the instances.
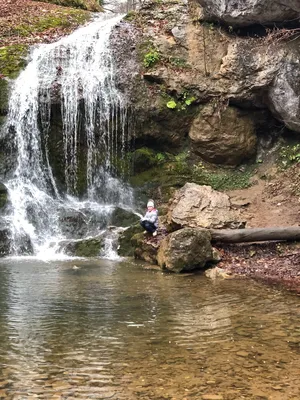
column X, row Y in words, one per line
column 75, row 75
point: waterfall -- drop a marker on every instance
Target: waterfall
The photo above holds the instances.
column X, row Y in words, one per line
column 76, row 72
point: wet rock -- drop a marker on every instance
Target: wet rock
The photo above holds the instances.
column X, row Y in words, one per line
column 5, row 241
column 185, row 250
column 202, row 207
column 223, row 136
column 3, row 195
column 123, row 218
column 242, row 353
column 126, row 246
column 241, row 13
column 145, row 247
column 85, row 247
column 73, row 224
column 215, row 273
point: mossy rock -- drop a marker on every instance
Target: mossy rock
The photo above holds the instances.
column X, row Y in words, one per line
column 12, row 60
column 126, row 247
column 85, row 247
column 143, row 159
column 124, row 218
column 4, row 98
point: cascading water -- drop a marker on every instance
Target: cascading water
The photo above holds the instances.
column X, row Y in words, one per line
column 79, row 70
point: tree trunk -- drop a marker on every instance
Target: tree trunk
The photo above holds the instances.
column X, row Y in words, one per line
column 254, row 234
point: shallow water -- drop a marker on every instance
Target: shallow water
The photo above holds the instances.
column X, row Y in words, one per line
column 108, row 330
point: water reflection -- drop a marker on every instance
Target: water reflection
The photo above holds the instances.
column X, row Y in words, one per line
column 112, row 329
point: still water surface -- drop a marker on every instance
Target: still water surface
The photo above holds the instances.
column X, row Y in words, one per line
column 112, row 330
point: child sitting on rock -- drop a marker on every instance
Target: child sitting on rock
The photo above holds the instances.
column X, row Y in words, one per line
column 150, row 221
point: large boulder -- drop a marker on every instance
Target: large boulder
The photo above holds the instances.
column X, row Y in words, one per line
column 185, row 250
column 248, row 12
column 284, row 94
column 223, row 135
column 145, row 248
column 202, row 207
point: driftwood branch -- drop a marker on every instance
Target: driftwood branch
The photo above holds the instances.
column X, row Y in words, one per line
column 254, row 234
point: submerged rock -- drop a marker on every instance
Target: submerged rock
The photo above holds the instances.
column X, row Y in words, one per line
column 202, row 207
column 185, row 250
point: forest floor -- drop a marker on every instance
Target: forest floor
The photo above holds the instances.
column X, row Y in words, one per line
column 268, row 202
column 27, row 22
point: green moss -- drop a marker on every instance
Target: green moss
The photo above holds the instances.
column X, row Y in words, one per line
column 86, row 248
column 12, row 60
column 3, row 99
column 178, row 170
column 126, row 246
column 62, row 19
column 90, row 5
column 130, row 16
column 146, row 158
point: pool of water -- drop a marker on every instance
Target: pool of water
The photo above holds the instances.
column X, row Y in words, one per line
column 112, row 330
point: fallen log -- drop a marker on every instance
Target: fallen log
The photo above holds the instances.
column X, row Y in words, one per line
column 254, row 234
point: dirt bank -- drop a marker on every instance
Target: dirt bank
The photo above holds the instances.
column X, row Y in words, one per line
column 273, row 201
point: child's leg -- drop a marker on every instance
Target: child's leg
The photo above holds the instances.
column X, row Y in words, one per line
column 148, row 226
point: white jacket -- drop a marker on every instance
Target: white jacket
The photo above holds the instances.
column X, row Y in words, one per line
column 152, row 216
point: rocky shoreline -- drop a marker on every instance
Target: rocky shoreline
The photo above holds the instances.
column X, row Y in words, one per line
column 274, row 263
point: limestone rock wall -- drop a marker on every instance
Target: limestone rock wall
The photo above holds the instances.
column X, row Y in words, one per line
column 205, row 85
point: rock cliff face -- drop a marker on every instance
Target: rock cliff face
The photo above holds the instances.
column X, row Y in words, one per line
column 248, row 12
column 200, row 85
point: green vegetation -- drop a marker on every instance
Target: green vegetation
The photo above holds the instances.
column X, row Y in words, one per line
column 289, row 155
column 171, row 104
column 85, row 248
column 175, row 171
column 181, row 103
column 12, row 60
column 63, row 19
column 178, row 62
column 91, row 5
column 131, row 16
column 151, row 58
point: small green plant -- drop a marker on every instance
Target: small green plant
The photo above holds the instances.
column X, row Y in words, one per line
column 171, row 104
column 161, row 157
column 178, row 62
column 189, row 100
column 183, row 101
column 151, row 58
column 289, row 155
column 130, row 16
